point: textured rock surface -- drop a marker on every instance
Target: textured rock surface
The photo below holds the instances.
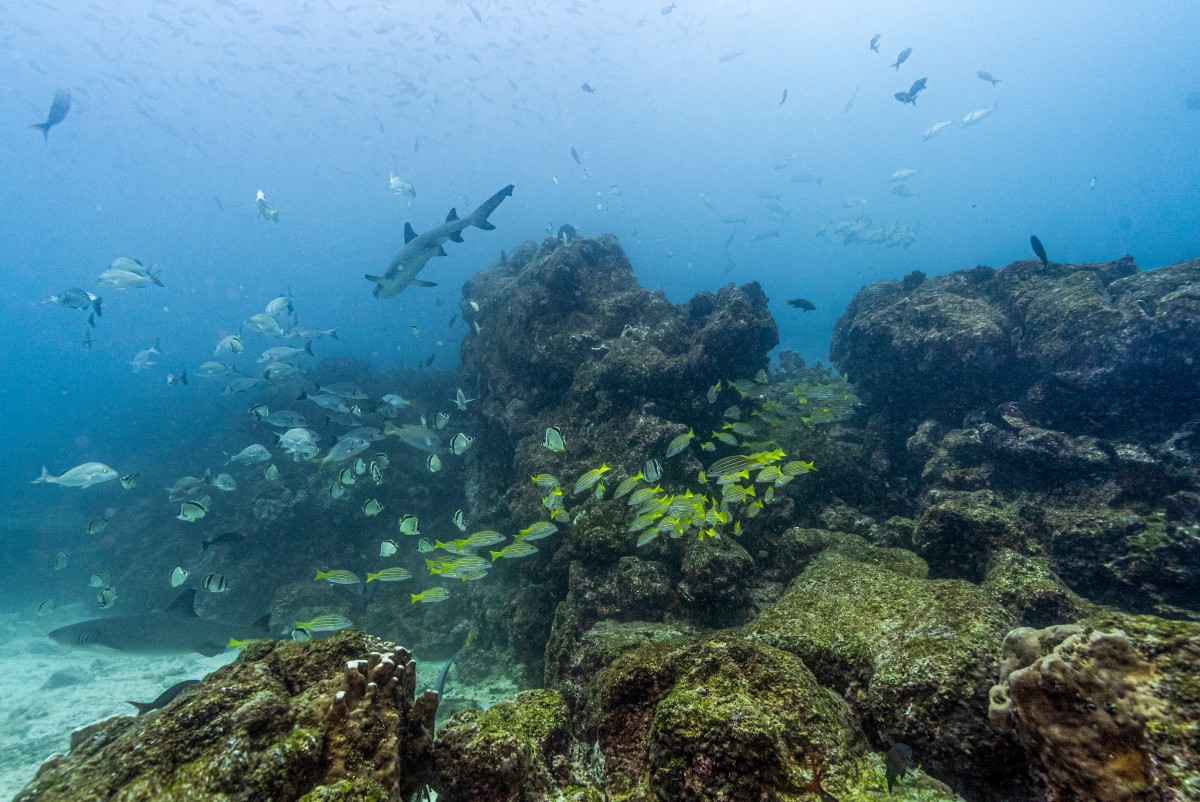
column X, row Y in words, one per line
column 333, row 720
column 1108, row 714
column 720, row 718
column 1085, row 344
column 517, row 750
column 913, row 657
column 568, row 338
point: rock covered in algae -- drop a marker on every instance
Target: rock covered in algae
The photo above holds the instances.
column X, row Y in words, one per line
column 570, row 319
column 914, row 657
column 1087, row 344
column 567, row 338
column 719, row 718
column 517, row 750
column 335, row 719
column 1109, row 711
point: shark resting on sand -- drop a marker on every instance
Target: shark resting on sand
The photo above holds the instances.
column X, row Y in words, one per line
column 420, row 248
column 176, row 630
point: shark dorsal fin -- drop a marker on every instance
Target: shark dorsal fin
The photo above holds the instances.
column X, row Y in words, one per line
column 184, row 604
column 409, row 234
column 452, row 216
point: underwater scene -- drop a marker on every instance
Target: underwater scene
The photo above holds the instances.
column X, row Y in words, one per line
column 481, row 400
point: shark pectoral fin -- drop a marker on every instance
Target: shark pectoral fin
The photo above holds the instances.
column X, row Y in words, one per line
column 409, row 234
column 485, row 225
column 440, row 251
column 455, row 237
column 419, row 283
column 376, row 279
column 452, row 216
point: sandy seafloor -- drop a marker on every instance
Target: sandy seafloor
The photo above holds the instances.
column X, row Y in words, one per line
column 47, row 690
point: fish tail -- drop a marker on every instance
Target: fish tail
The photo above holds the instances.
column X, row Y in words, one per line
column 479, row 217
column 44, row 128
column 44, row 478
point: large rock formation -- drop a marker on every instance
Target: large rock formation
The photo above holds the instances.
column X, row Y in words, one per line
column 1087, row 346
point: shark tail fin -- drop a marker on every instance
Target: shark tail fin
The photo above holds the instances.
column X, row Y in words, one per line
column 479, row 217
column 142, row 707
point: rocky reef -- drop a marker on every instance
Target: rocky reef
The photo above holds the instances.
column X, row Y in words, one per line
column 331, row 720
column 977, row 578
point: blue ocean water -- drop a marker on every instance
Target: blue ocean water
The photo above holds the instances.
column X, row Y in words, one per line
column 182, row 111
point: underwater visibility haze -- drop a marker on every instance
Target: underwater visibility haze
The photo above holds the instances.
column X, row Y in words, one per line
column 510, row 323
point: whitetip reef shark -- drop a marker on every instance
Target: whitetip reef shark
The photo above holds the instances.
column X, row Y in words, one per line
column 176, row 630
column 420, row 248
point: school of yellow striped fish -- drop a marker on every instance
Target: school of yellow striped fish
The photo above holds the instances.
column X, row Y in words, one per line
column 733, row 488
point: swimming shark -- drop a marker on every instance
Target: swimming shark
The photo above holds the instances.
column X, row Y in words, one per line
column 176, row 630
column 420, row 248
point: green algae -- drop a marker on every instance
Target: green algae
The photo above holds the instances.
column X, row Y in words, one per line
column 914, row 657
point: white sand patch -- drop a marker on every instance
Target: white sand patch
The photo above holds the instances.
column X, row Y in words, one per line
column 48, row 690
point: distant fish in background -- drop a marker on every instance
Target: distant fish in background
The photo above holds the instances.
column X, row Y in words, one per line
column 1040, row 250
column 401, row 186
column 903, row 57
column 984, row 75
column 782, row 99
column 265, row 210
column 588, row 88
column 850, row 103
column 979, row 115
column 936, row 129
column 668, row 9
column 875, row 43
column 575, row 156
column 58, row 112
column 801, row 303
